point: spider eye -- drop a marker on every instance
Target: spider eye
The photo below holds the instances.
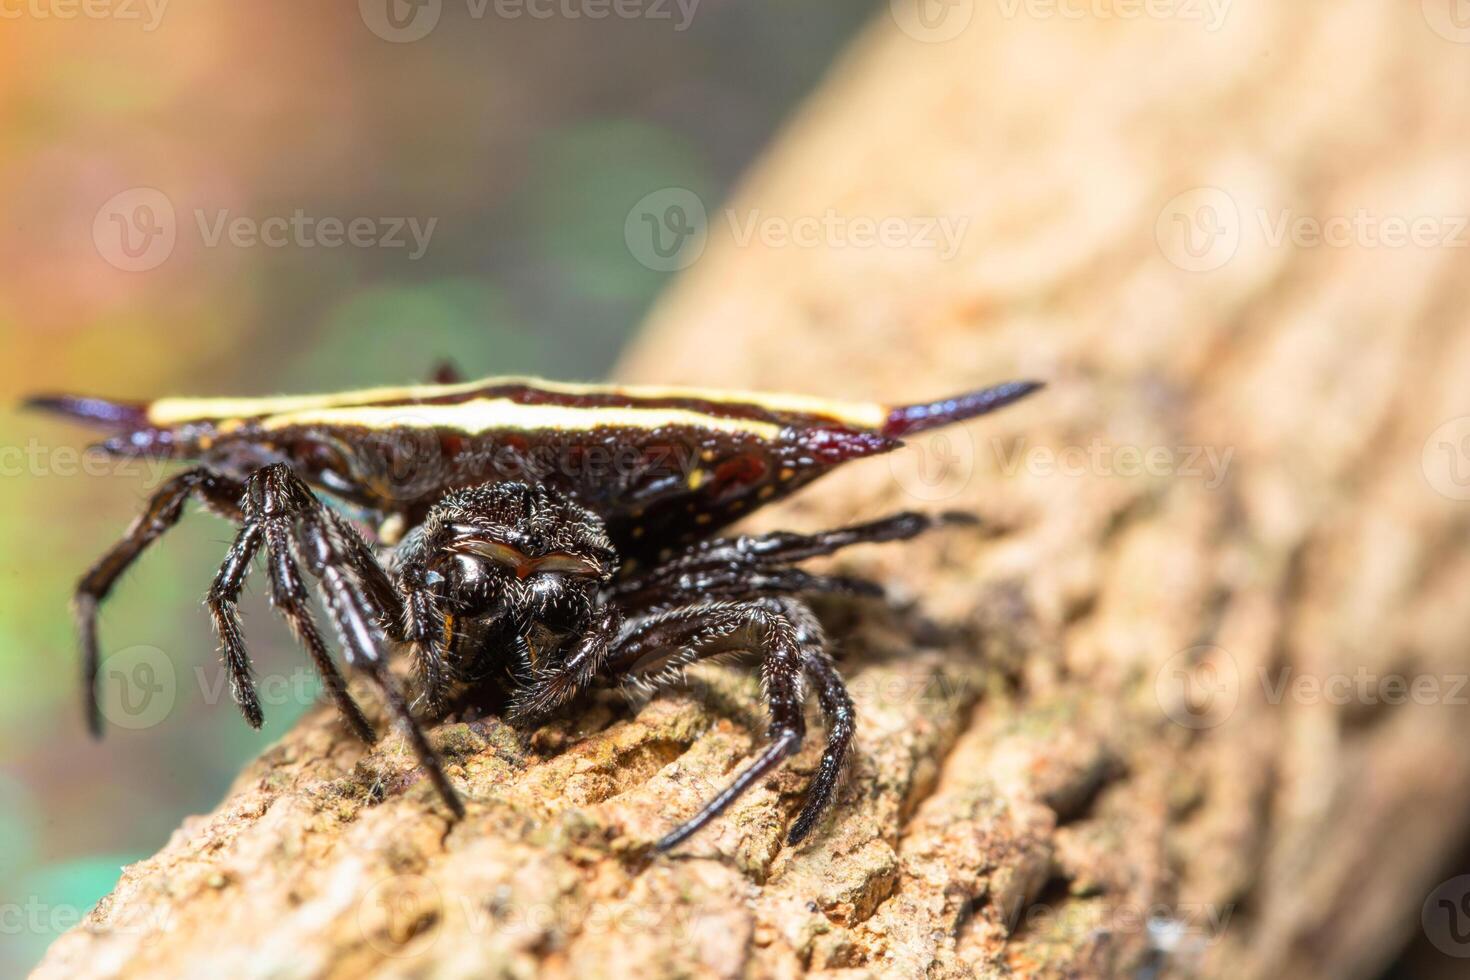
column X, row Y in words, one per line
column 569, row 564
column 523, row 564
column 497, row 551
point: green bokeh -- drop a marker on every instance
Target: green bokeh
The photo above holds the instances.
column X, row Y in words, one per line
column 386, row 334
column 585, row 179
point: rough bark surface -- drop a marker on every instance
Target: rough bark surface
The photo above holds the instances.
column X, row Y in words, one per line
column 1076, row 755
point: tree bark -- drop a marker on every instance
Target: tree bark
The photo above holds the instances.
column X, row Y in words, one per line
column 1151, row 718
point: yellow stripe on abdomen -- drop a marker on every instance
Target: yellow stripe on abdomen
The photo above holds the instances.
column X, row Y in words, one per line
column 491, row 414
column 174, row 411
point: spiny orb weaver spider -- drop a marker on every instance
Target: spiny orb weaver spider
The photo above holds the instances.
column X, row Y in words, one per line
column 559, row 533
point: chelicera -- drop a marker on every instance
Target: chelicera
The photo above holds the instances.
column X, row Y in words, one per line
column 556, row 534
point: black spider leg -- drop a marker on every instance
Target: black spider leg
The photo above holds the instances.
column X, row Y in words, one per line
column 726, row 566
column 355, row 619
column 359, row 604
column 281, row 512
column 219, row 493
column 779, row 628
column 427, row 628
column 269, row 506
column 553, row 686
column 841, row 717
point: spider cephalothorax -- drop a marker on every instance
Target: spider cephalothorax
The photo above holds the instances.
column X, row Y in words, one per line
column 500, row 575
column 559, row 535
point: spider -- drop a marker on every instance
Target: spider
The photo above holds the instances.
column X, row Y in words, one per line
column 562, row 534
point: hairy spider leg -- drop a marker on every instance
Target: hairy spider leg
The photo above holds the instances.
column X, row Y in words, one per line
column 282, row 514
column 572, row 673
column 427, row 628
column 270, row 506
column 219, row 494
column 779, row 629
column 840, row 716
column 726, row 566
column 721, row 569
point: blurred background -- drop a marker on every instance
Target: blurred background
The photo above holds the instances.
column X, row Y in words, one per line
column 219, row 198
